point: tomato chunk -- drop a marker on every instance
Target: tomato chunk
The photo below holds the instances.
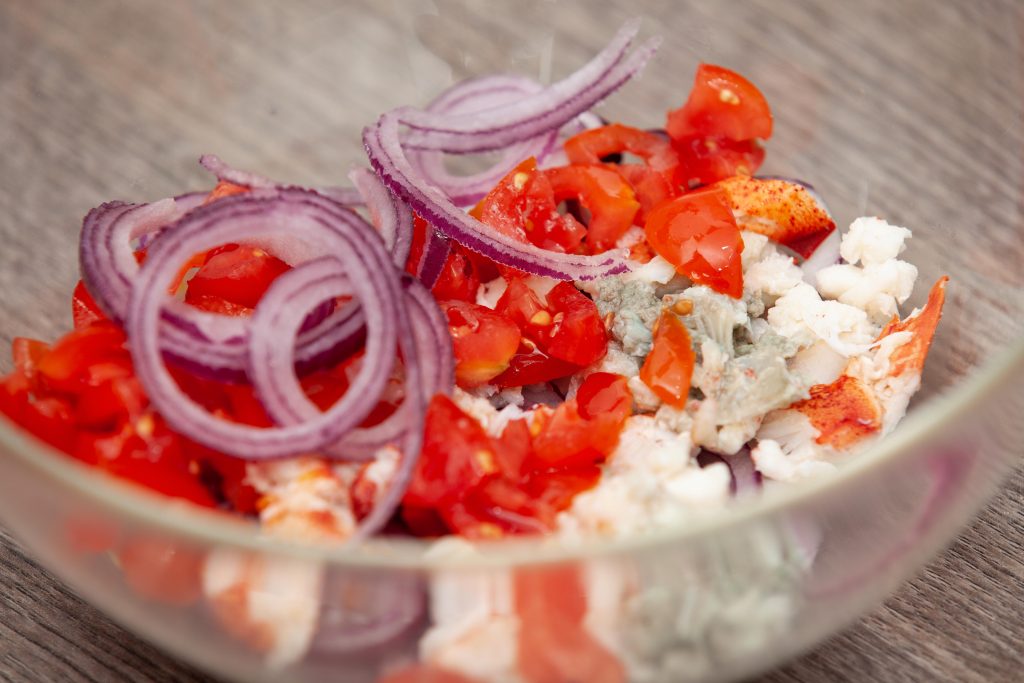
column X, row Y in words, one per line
column 604, row 393
column 84, row 309
column 697, row 233
column 723, row 104
column 237, row 274
column 668, row 368
column 523, row 206
column 604, row 193
column 705, row 160
column 484, row 341
column 456, row 456
column 460, row 278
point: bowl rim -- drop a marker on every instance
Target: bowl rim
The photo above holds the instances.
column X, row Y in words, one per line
column 221, row 530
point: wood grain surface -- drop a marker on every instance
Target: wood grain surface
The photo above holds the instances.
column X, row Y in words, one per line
column 121, row 97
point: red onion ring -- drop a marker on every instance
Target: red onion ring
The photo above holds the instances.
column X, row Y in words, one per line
column 247, row 217
column 361, row 613
column 531, row 116
column 475, row 95
column 391, row 215
column 384, row 148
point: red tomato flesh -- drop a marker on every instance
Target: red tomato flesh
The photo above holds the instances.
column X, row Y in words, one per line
column 697, row 233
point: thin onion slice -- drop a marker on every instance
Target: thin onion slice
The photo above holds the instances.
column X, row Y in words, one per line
column 383, row 145
column 391, row 215
column 533, row 115
column 371, row 278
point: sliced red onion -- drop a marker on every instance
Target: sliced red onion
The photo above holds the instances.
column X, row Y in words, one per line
column 213, row 164
column 105, row 253
column 385, row 151
column 301, row 215
column 471, row 96
column 531, row 116
column 744, row 477
column 435, row 255
column 391, row 215
column 361, row 613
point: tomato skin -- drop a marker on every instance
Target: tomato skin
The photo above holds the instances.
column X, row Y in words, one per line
column 459, row 278
column 697, row 233
column 556, row 488
column 67, row 363
column 534, row 367
column 706, row 160
column 566, row 439
column 604, row 393
column 653, row 181
column 237, row 274
column 722, row 104
column 668, row 368
column 84, row 309
column 456, row 456
column 607, row 196
column 522, row 205
column 577, row 334
column 484, row 341
column 553, row 645
column 161, row 571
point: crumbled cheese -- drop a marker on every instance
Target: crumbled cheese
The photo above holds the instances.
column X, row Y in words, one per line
column 801, row 316
column 634, row 307
column 715, row 316
column 645, row 400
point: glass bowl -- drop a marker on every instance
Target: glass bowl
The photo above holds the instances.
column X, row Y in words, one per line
column 910, row 111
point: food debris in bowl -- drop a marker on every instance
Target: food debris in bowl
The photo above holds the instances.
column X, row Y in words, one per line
column 609, row 330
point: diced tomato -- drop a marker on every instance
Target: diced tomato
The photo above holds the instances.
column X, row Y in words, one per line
column 604, row 393
column 651, row 188
column 697, row 233
column 26, row 354
column 419, row 241
column 162, row 478
column 84, row 309
column 459, row 278
column 161, row 570
column 553, row 644
column 705, row 160
column 653, row 181
column 533, row 367
column 67, row 363
column 49, row 419
column 234, row 485
column 498, row 507
column 484, row 341
column 567, row 439
column 722, row 104
column 423, row 521
column 103, row 405
column 604, row 193
column 523, row 306
column 218, row 305
column 513, row 448
column 557, row 488
column 522, row 205
column 577, row 333
column 425, row 673
column 225, row 189
column 456, row 456
column 668, row 368
column 237, row 274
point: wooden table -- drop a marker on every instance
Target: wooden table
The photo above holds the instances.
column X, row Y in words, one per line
column 121, row 97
